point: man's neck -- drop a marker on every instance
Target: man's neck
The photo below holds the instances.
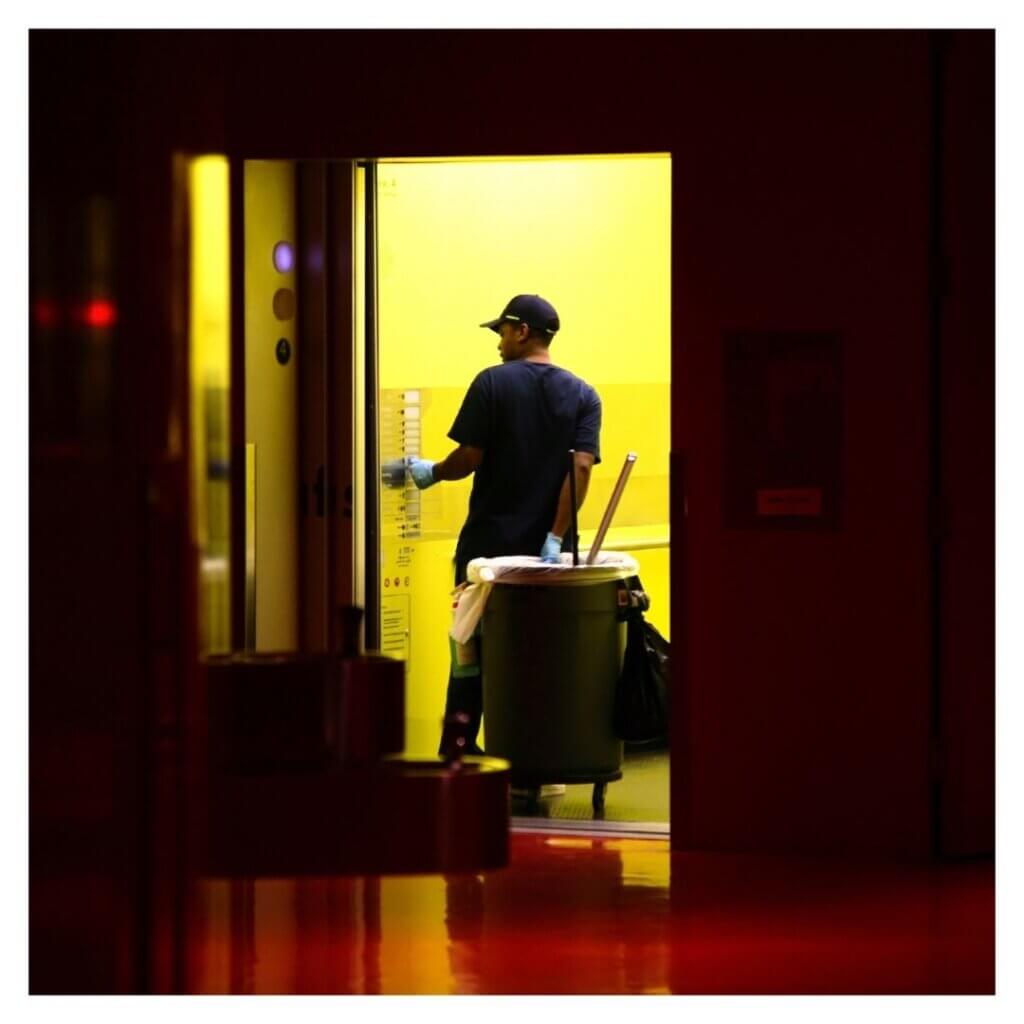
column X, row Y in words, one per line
column 537, row 354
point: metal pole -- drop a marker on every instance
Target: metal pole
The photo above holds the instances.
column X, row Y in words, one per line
column 572, row 507
column 613, row 503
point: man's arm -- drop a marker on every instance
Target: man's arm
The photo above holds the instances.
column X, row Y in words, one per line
column 459, row 463
column 584, row 461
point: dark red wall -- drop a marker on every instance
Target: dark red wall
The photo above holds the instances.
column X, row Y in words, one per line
column 808, row 698
column 967, row 595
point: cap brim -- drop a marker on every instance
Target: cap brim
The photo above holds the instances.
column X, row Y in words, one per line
column 493, row 324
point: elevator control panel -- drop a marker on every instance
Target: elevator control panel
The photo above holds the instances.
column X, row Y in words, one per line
column 400, row 516
column 400, row 439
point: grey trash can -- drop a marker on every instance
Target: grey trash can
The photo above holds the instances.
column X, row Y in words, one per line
column 552, row 655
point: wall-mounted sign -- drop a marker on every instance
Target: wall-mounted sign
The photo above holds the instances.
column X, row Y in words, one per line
column 783, row 430
column 394, row 626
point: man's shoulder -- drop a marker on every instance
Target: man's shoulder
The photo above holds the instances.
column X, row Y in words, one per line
column 575, row 382
column 588, row 390
column 526, row 367
column 483, row 379
column 518, row 372
column 511, row 373
column 577, row 377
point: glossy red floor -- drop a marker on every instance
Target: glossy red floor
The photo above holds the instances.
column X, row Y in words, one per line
column 578, row 915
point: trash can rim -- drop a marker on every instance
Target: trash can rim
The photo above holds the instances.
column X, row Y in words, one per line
column 528, row 570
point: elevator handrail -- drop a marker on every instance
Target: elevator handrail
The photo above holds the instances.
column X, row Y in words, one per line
column 635, row 544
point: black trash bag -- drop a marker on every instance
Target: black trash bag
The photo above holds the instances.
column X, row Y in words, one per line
column 641, row 713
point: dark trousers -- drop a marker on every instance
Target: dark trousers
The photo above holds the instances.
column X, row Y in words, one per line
column 464, row 701
column 463, row 709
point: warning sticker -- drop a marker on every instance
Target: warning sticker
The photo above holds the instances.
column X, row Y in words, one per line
column 789, row 501
column 394, row 626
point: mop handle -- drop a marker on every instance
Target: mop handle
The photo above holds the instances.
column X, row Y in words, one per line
column 613, row 502
column 572, row 506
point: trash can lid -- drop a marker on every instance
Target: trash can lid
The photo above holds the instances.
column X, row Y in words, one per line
column 526, row 569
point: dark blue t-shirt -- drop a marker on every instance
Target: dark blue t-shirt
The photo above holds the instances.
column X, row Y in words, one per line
column 525, row 416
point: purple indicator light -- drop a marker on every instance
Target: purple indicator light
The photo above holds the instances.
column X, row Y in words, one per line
column 284, row 257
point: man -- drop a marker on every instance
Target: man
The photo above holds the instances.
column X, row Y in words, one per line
column 514, row 430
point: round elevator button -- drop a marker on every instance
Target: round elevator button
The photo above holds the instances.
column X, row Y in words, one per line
column 284, row 303
column 284, row 257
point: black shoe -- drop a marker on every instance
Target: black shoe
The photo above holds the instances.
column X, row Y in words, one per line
column 456, row 749
column 458, row 737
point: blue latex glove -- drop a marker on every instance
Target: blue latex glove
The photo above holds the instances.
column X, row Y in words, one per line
column 552, row 549
column 422, row 472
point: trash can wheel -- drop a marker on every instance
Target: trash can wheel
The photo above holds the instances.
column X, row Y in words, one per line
column 598, row 799
column 529, row 796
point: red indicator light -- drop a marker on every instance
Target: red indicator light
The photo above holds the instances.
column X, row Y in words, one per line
column 46, row 313
column 99, row 313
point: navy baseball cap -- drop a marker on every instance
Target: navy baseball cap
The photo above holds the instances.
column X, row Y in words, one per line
column 527, row 309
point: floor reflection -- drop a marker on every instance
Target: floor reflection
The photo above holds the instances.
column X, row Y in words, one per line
column 573, row 914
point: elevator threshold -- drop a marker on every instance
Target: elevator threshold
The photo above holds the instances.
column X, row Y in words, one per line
column 591, row 829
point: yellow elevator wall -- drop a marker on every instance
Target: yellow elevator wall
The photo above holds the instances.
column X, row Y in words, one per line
column 270, row 401
column 210, row 362
column 456, row 240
